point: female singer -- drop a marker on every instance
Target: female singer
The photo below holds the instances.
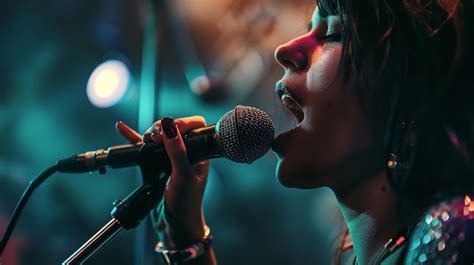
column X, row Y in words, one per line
column 381, row 93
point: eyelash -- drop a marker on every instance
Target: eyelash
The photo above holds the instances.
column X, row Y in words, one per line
column 335, row 37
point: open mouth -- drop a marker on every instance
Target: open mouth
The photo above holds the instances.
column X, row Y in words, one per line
column 281, row 142
column 289, row 102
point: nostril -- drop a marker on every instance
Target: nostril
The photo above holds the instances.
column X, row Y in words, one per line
column 289, row 64
column 290, row 58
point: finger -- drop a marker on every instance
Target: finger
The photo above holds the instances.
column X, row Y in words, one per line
column 202, row 169
column 131, row 135
column 190, row 123
column 152, row 132
column 185, row 125
column 176, row 150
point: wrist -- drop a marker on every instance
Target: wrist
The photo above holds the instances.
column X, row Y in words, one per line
column 176, row 234
column 184, row 232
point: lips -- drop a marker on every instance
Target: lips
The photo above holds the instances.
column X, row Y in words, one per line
column 281, row 142
column 288, row 100
column 295, row 109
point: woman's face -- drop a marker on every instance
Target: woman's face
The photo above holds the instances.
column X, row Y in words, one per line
column 333, row 143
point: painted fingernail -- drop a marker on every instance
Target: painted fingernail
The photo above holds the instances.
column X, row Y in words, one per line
column 169, row 127
column 121, row 126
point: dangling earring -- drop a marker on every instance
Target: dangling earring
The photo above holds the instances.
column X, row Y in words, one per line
column 401, row 150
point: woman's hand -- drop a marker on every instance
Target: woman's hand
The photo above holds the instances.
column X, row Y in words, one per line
column 184, row 193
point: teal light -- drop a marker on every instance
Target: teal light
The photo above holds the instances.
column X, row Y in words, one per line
column 146, row 107
column 422, row 258
column 426, row 239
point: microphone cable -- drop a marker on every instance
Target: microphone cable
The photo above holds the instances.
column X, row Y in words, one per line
column 32, row 185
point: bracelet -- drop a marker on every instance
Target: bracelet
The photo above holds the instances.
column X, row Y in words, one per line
column 175, row 257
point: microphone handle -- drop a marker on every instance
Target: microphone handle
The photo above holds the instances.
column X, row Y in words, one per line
column 201, row 144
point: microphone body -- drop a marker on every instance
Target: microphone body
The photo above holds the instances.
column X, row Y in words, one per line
column 242, row 135
column 201, row 144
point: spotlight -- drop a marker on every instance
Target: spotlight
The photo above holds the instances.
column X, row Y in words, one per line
column 108, row 83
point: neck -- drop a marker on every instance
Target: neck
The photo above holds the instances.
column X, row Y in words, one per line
column 369, row 210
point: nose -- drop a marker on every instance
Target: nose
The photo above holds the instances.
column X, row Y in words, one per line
column 292, row 55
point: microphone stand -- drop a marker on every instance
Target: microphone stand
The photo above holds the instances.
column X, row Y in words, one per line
column 129, row 212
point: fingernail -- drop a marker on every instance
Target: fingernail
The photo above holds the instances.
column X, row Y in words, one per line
column 169, row 127
column 118, row 124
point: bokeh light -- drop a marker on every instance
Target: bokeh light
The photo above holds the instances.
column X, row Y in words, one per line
column 108, row 83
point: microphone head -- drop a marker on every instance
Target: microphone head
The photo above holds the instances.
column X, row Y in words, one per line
column 245, row 133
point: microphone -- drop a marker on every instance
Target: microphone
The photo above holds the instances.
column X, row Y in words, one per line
column 242, row 135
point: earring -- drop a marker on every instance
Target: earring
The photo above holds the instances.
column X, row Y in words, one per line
column 401, row 152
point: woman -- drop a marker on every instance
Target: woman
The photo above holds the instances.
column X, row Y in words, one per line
column 382, row 97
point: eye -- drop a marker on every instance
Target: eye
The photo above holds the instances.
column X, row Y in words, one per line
column 333, row 37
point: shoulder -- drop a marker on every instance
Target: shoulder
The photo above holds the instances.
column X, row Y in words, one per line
column 445, row 234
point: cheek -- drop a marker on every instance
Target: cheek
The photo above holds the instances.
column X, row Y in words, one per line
column 324, row 67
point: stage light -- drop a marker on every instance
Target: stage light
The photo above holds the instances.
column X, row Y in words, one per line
column 108, row 83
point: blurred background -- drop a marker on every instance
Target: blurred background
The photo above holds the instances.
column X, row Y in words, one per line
column 70, row 69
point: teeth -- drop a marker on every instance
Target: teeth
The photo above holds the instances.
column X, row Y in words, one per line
column 293, row 106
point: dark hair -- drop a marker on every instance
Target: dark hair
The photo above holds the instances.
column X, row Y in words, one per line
column 411, row 59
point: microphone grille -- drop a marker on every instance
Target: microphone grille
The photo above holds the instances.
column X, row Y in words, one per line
column 246, row 133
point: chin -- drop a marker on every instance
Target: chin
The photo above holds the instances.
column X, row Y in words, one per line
column 282, row 176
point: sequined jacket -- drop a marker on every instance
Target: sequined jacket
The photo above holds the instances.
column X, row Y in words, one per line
column 445, row 235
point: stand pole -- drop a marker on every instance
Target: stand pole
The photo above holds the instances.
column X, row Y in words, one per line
column 95, row 243
column 126, row 214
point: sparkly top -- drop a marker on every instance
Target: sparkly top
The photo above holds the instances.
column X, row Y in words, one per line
column 445, row 234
